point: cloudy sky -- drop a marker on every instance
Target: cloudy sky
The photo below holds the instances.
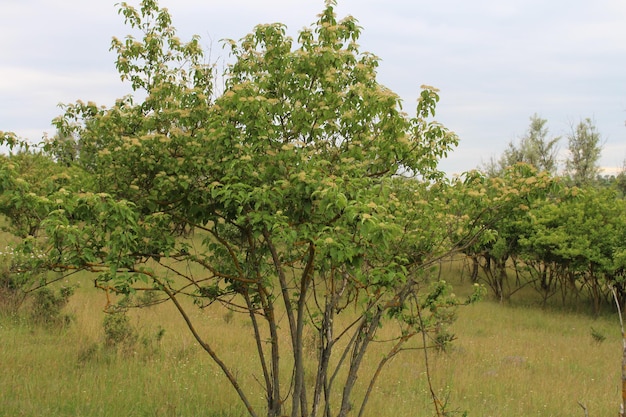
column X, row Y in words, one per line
column 496, row 62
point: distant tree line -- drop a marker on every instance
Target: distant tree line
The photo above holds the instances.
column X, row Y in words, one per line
column 560, row 232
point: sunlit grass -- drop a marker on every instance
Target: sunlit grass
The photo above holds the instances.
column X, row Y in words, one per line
column 506, row 361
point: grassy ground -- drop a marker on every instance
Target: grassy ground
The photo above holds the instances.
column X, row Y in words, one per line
column 506, row 361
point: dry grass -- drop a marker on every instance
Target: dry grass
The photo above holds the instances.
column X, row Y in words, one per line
column 506, row 361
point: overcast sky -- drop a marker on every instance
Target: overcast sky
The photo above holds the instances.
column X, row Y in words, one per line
column 496, row 62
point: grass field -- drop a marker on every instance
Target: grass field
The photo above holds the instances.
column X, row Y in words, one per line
column 507, row 361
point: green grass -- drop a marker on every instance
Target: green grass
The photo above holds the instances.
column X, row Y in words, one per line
column 506, row 361
column 69, row 373
column 521, row 361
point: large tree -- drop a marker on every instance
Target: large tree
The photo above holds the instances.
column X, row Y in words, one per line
column 301, row 190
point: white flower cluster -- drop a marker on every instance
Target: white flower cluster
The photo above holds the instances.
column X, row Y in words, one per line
column 9, row 252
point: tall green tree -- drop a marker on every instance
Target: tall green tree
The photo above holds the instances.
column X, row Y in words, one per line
column 584, row 148
column 294, row 194
column 534, row 148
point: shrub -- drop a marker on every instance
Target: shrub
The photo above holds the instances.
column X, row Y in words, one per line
column 118, row 331
column 13, row 286
column 23, row 286
column 47, row 306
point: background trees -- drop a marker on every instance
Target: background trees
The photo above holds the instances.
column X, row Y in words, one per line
column 579, row 240
column 29, row 180
column 584, row 152
column 569, row 240
column 500, row 207
column 534, row 148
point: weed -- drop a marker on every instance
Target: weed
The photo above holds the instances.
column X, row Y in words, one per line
column 597, row 336
column 152, row 343
column 89, row 353
column 443, row 340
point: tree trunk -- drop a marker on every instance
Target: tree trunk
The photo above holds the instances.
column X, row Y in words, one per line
column 474, row 273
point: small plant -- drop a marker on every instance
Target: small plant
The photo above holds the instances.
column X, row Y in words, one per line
column 443, row 340
column 118, row 331
column 13, row 286
column 151, row 343
column 228, row 316
column 47, row 306
column 88, row 353
column 597, row 336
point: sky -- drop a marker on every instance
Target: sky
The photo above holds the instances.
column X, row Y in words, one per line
column 495, row 62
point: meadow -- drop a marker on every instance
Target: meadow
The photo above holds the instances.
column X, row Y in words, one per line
column 514, row 359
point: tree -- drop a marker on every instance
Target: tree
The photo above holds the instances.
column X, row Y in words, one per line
column 534, row 148
column 499, row 207
column 302, row 190
column 28, row 178
column 582, row 235
column 584, row 153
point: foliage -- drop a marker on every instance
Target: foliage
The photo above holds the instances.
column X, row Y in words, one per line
column 534, row 148
column 583, row 237
column 118, row 331
column 28, row 181
column 584, row 153
column 500, row 206
column 47, row 306
column 31, row 186
column 542, row 232
column 568, row 241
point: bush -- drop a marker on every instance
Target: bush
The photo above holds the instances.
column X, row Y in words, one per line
column 118, row 331
column 120, row 336
column 47, row 306
column 24, row 287
column 12, row 287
